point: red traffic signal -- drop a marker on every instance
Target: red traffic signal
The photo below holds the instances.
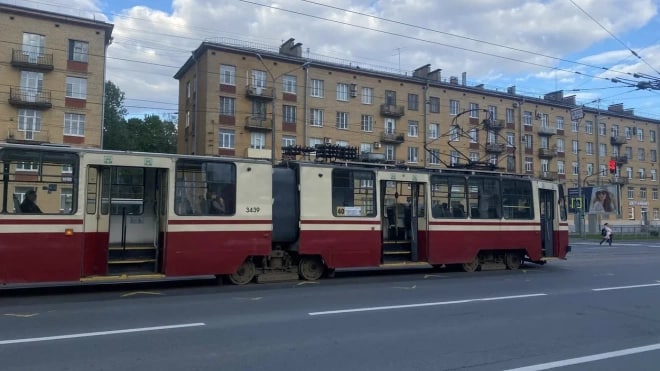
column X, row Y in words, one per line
column 612, row 166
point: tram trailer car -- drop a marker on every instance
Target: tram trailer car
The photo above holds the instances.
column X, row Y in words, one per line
column 120, row 216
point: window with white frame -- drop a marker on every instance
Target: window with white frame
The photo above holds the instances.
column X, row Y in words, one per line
column 629, row 153
column 342, row 143
column 226, row 139
column 31, row 84
column 653, row 155
column 642, row 193
column 631, row 213
column 29, row 120
column 227, row 106
column 492, row 159
column 367, row 123
column 576, row 168
column 434, row 157
column 561, row 167
column 76, row 87
column 453, row 158
column 589, row 127
column 574, row 146
column 629, row 172
column 602, row 149
column 413, row 153
column 545, row 165
column 258, row 140
column 527, row 118
column 316, row 116
column 367, row 96
column 74, row 124
column 492, row 112
column 603, row 171
column 652, row 136
column 640, row 134
column 342, row 120
column 545, row 143
column 366, row 147
column 654, row 193
column 78, row 51
column 615, row 130
column 590, row 169
column 545, row 120
column 602, row 129
column 316, row 88
column 641, row 154
column 454, row 107
column 474, row 156
column 434, row 131
column 288, row 141
column 631, row 193
column 342, row 92
column 27, row 166
column 258, row 78
column 654, row 175
column 642, row 174
column 390, row 126
column 313, row 142
column 474, row 110
column 559, row 122
column 529, row 141
column 473, row 134
column 560, row 145
column 289, row 84
column 33, row 45
column 454, row 133
column 511, row 163
column 188, row 90
column 509, row 116
column 529, row 164
column 227, row 74
column 628, row 132
column 656, row 213
column 574, row 126
column 510, row 139
column 390, row 153
column 289, row 114
column 413, row 128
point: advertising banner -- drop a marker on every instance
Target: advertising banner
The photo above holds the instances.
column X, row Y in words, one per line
column 595, row 200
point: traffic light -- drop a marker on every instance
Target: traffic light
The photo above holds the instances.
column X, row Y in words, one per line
column 612, row 166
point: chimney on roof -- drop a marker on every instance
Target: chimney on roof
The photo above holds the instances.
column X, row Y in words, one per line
column 422, row 72
column 555, row 96
column 616, row 107
column 570, row 100
column 434, row 75
column 453, row 80
column 464, row 78
column 629, row 112
column 291, row 48
column 511, row 90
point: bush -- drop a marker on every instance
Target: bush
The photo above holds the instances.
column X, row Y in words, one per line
column 654, row 232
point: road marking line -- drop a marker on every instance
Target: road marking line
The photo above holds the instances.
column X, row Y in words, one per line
column 369, row 309
column 141, row 293
column 625, row 287
column 100, row 333
column 21, row 315
column 591, row 358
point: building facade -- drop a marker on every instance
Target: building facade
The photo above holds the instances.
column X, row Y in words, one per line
column 52, row 75
column 251, row 102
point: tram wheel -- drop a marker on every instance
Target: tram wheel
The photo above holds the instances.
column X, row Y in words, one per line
column 512, row 260
column 471, row 266
column 244, row 274
column 310, row 268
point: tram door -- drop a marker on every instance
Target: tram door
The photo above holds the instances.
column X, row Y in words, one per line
column 400, row 204
column 547, row 199
column 126, row 211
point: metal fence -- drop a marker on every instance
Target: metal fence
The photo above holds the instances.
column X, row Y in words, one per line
column 625, row 231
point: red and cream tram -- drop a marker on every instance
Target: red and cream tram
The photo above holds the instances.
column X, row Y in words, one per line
column 121, row 216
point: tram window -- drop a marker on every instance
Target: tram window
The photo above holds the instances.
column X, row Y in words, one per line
column 484, row 198
column 563, row 212
column 51, row 176
column 353, row 193
column 448, row 197
column 517, row 201
column 205, row 188
column 126, row 191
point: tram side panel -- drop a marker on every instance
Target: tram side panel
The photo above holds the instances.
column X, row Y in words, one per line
column 339, row 215
column 201, row 240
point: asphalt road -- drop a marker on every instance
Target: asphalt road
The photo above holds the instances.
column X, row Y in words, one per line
column 599, row 310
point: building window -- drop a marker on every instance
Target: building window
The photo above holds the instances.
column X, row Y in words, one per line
column 313, row 142
column 628, row 132
column 529, row 142
column 27, row 166
column 390, row 126
column 589, row 127
column 258, row 79
column 575, row 146
column 654, row 175
column 227, row 74
column 226, row 139
column 342, row 92
column 434, row 104
column 642, row 174
column 590, row 148
column 560, row 122
column 560, row 145
column 454, row 133
column 602, row 170
column 652, row 136
column 390, row 153
column 366, row 147
column 576, row 168
column 434, row 131
column 413, row 128
column 78, row 51
column 640, row 134
column 656, row 213
column 527, row 118
column 289, row 84
column 390, row 97
column 602, row 149
column 631, row 213
column 288, row 141
column 412, row 154
column 342, row 120
column 653, row 155
column 631, row 193
column 317, row 88
column 474, row 156
column 434, row 157
column 367, row 123
column 574, row 126
column 561, row 167
column 29, row 120
column 258, row 140
column 602, row 130
column 509, row 116
column 316, row 117
column 227, row 106
column 590, row 169
column 454, row 107
column 76, row 87
column 474, row 110
column 33, row 46
column 629, row 172
column 642, row 193
column 453, row 158
column 413, row 102
column 510, row 163
column 615, row 130
column 529, row 164
column 654, row 193
column 74, row 124
column 473, row 134
column 289, row 114
column 492, row 112
column 367, row 96
column 641, row 155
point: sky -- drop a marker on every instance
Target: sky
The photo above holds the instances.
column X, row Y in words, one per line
column 577, row 46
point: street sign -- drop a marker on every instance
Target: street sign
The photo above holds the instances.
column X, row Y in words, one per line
column 577, row 114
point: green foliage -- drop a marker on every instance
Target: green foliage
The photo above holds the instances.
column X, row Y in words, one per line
column 150, row 134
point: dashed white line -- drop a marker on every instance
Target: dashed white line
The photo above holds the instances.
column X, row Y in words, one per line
column 625, row 287
column 100, row 333
column 591, row 358
column 390, row 307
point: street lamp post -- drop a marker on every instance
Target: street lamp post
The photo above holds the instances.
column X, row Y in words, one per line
column 272, row 110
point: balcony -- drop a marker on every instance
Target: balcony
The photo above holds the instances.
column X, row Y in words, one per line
column 548, row 131
column 35, row 61
column 394, row 138
column 619, row 180
column 620, row 160
column 258, row 123
column 618, row 140
column 259, row 92
column 493, row 124
column 27, row 97
column 391, row 110
column 547, row 152
column 495, row 147
column 258, row 153
column 548, row 175
column 27, row 136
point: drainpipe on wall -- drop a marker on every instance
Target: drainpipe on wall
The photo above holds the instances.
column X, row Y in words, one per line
column 304, row 143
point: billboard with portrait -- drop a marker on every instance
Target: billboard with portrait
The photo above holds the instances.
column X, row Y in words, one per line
column 602, row 199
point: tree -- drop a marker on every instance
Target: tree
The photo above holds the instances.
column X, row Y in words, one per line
column 114, row 124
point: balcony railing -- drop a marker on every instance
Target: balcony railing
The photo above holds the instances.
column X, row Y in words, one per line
column 493, row 124
column 619, row 180
column 391, row 110
column 259, row 92
column 27, row 97
column 618, row 140
column 620, row 160
column 547, row 152
column 546, row 130
column 40, row 61
column 396, row 138
column 495, row 147
column 548, row 175
column 258, row 123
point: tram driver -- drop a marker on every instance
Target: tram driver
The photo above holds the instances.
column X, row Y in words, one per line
column 29, row 204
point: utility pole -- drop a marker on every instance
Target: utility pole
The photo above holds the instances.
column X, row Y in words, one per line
column 576, row 115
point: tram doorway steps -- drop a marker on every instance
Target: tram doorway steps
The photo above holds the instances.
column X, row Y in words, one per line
column 131, row 259
column 396, row 252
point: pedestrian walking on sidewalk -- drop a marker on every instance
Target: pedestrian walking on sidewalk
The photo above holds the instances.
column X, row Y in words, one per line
column 606, row 232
